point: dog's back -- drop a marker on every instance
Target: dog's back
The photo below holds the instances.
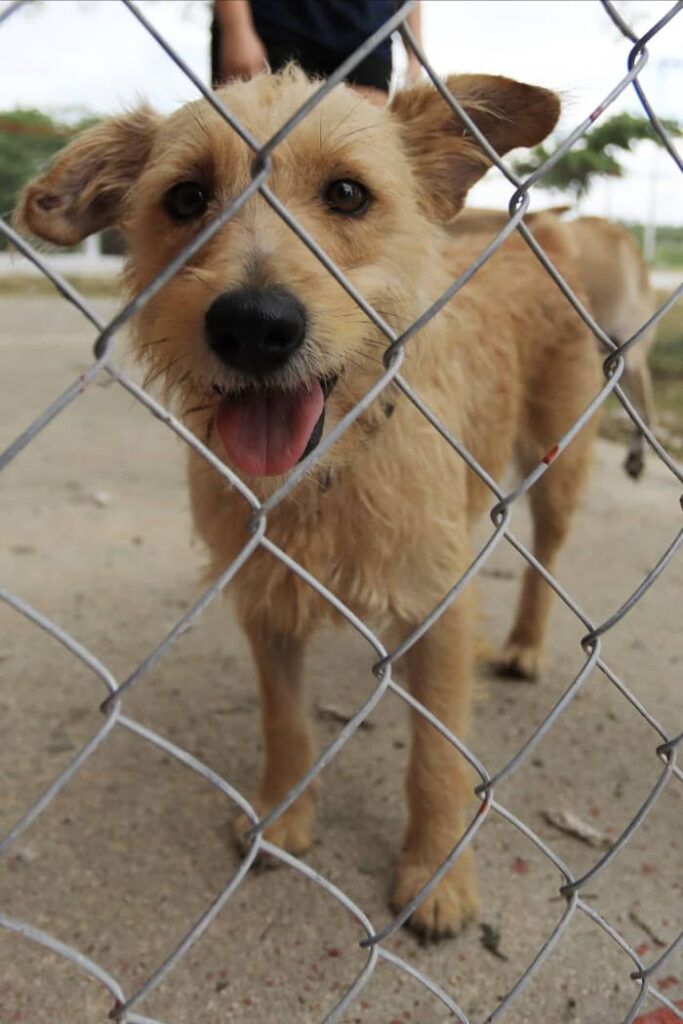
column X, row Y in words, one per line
column 615, row 275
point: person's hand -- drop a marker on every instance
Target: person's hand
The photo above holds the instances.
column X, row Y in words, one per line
column 243, row 55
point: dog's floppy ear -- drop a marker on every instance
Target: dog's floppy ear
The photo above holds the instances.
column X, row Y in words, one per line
column 445, row 157
column 84, row 188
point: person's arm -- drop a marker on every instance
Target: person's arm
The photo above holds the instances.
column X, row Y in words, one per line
column 242, row 54
column 414, row 21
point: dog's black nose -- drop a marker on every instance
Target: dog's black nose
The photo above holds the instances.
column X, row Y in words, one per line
column 255, row 329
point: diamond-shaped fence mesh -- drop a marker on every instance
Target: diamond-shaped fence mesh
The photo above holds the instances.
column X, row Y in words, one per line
column 574, row 892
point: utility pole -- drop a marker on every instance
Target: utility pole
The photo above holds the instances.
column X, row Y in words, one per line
column 663, row 66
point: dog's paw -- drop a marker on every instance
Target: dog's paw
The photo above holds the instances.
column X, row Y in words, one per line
column 519, row 661
column 448, row 907
column 634, row 463
column 293, row 830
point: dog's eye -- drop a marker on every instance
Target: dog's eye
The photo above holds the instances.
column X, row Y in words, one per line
column 185, row 200
column 348, row 197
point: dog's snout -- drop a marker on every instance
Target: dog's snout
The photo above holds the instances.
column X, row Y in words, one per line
column 256, row 329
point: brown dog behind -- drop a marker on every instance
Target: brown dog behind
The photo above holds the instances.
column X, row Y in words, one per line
column 617, row 284
column 261, row 349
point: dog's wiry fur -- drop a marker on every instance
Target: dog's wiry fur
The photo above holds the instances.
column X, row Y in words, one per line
column 507, row 366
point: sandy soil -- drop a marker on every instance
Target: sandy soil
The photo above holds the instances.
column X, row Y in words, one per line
column 96, row 535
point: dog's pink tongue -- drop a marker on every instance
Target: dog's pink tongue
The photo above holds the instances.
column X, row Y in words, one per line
column 266, row 432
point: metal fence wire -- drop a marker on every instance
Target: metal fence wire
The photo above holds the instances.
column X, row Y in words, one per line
column 129, row 1006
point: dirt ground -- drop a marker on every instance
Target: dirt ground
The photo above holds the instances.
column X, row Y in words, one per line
column 96, row 535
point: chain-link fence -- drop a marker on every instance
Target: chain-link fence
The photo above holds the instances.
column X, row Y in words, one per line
column 130, row 1005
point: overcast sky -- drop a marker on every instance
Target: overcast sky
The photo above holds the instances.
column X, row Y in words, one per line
column 93, row 55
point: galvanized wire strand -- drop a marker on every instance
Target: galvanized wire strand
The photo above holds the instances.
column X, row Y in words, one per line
column 657, row 964
column 304, row 869
column 61, row 284
column 447, row 863
column 174, row 424
column 656, row 124
column 533, row 838
column 436, row 990
column 119, row 1012
column 636, row 704
column 303, row 467
column 657, row 447
column 415, row 705
column 104, row 344
column 665, row 308
column 544, row 952
column 456, row 106
column 190, row 761
column 11, row 9
column 50, row 412
column 344, row 69
column 597, row 919
column 93, row 663
column 571, row 296
column 618, row 21
column 201, row 87
column 256, row 512
column 313, row 246
column 677, row 1011
column 455, row 591
column 186, row 622
column 626, row 834
column 641, row 589
column 459, row 282
column 58, row 783
column 548, row 722
column 42, row 938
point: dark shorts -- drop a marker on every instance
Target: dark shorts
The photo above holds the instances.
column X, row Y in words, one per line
column 374, row 71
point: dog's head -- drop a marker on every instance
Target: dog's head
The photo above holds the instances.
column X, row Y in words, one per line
column 254, row 336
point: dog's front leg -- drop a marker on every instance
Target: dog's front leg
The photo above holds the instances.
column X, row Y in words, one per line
column 439, row 782
column 288, row 737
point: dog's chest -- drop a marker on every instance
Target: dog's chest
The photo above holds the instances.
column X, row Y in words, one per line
column 369, row 548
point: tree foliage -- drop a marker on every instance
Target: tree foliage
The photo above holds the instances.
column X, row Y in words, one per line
column 28, row 141
column 595, row 155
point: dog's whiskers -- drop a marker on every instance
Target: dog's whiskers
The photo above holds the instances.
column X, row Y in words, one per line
column 156, row 372
column 152, row 344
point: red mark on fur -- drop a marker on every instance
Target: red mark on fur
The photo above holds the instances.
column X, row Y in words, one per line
column 643, row 948
column 549, row 456
column 662, row 1016
column 647, row 869
column 334, row 952
column 669, row 982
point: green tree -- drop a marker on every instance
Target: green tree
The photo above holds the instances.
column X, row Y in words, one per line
column 28, row 140
column 594, row 155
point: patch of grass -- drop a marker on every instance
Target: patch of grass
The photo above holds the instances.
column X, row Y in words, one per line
column 666, row 359
column 668, row 244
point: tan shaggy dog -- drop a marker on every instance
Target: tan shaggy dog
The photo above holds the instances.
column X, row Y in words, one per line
column 260, row 348
column 617, row 285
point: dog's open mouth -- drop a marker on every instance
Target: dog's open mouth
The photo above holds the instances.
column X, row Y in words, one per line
column 266, row 431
